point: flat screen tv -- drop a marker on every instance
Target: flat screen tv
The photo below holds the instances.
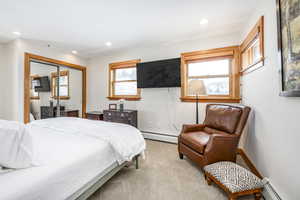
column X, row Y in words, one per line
column 43, row 84
column 157, row 74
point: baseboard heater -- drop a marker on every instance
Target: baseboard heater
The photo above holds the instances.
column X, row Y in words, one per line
column 269, row 192
column 160, row 137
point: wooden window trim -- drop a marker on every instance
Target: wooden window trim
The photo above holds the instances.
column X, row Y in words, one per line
column 257, row 32
column 32, row 77
column 111, row 80
column 232, row 52
column 53, row 76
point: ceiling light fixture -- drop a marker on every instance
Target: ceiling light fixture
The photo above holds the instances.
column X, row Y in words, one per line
column 16, row 33
column 203, row 21
column 108, row 44
column 74, row 52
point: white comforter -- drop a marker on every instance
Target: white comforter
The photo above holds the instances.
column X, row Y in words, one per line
column 127, row 141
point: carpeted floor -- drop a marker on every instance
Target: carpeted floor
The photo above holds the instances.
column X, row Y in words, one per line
column 162, row 176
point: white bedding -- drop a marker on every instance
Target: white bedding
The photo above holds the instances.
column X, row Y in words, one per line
column 66, row 162
column 126, row 140
column 16, row 149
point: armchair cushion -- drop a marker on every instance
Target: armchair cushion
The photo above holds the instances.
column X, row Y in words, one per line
column 196, row 140
column 223, row 117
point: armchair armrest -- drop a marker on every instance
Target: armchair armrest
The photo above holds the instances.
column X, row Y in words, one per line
column 221, row 147
column 192, row 127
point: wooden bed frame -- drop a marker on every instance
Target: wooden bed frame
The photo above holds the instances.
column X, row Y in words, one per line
column 90, row 188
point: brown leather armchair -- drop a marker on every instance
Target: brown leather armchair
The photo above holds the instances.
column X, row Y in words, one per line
column 217, row 138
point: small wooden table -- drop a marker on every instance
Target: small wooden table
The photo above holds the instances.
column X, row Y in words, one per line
column 94, row 115
column 71, row 113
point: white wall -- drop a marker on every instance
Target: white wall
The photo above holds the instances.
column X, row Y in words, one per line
column 8, row 81
column 273, row 138
column 14, row 99
column 160, row 110
column 2, row 81
column 14, row 73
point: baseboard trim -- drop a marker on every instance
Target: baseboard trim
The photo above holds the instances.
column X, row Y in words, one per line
column 270, row 193
column 160, row 137
column 249, row 163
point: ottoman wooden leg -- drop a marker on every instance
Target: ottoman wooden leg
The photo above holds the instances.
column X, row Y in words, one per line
column 257, row 196
column 232, row 197
column 208, row 180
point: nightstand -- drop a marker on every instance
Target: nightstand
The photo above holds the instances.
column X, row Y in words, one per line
column 94, row 115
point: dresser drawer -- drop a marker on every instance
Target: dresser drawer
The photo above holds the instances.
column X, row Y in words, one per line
column 93, row 116
column 73, row 113
column 125, row 116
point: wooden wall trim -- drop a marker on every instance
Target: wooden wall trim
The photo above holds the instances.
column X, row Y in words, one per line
column 27, row 58
column 248, row 162
column 257, row 32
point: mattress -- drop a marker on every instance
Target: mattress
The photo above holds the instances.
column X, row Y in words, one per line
column 64, row 163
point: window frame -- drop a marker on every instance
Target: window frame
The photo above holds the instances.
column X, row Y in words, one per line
column 54, row 84
column 32, row 77
column 233, row 53
column 111, row 80
column 255, row 35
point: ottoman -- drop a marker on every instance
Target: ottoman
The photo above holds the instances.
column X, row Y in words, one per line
column 233, row 179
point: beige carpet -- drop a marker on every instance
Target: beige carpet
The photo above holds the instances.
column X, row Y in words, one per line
column 162, row 176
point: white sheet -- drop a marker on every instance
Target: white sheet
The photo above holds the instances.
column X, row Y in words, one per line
column 67, row 162
column 126, row 140
column 16, row 149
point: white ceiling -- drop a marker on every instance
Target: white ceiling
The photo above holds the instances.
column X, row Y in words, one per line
column 85, row 25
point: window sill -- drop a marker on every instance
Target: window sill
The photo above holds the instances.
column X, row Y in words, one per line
column 211, row 100
column 35, row 98
column 62, row 98
column 127, row 98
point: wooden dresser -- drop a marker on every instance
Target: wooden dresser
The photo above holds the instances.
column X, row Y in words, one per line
column 124, row 116
column 48, row 112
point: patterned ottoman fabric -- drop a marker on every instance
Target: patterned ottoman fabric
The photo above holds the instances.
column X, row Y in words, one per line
column 234, row 177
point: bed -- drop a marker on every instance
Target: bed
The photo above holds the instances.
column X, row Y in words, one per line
column 73, row 158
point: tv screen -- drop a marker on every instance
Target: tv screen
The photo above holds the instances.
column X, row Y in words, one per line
column 156, row 74
column 43, row 84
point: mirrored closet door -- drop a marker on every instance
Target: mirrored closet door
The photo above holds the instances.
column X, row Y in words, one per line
column 54, row 89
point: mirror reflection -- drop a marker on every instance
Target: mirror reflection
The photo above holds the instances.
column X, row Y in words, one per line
column 55, row 91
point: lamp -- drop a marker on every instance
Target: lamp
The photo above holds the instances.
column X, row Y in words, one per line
column 196, row 87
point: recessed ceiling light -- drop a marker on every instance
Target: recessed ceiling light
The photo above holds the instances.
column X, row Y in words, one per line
column 108, row 44
column 16, row 33
column 74, row 52
column 203, row 21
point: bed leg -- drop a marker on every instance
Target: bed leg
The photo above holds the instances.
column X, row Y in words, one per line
column 137, row 162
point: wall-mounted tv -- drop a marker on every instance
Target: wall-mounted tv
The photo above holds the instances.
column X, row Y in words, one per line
column 157, row 74
column 43, row 84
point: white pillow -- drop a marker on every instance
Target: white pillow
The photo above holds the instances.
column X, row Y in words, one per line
column 16, row 146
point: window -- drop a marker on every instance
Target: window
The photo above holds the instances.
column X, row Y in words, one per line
column 33, row 83
column 252, row 49
column 63, row 85
column 123, row 81
column 214, row 73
